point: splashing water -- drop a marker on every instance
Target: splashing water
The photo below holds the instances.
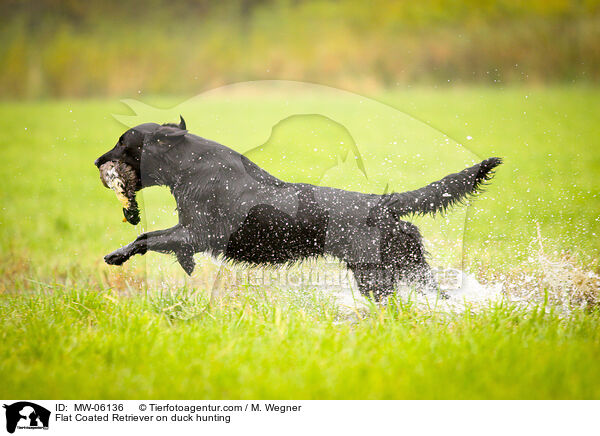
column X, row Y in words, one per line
column 469, row 293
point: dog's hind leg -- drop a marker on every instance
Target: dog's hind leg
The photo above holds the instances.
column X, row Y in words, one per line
column 373, row 279
column 174, row 240
column 408, row 256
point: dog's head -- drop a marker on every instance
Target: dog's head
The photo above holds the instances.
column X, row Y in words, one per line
column 121, row 167
column 130, row 145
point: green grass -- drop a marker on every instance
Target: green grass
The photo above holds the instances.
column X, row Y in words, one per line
column 82, row 343
column 73, row 327
column 52, row 201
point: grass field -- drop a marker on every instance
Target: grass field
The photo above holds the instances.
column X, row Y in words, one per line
column 73, row 327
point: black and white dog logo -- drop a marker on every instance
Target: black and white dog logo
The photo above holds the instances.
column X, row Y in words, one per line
column 26, row 415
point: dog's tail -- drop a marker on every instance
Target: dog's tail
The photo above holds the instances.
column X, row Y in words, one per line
column 439, row 196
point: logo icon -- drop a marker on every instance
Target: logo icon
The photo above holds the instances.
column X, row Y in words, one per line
column 26, row 415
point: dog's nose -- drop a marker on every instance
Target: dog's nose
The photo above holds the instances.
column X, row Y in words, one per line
column 97, row 162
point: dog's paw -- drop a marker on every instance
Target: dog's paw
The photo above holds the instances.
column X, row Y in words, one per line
column 117, row 257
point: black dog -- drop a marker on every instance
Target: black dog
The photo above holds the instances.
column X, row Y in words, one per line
column 229, row 206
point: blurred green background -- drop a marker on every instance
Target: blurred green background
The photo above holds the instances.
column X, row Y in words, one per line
column 508, row 78
column 112, row 47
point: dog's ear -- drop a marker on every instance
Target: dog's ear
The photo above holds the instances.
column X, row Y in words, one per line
column 181, row 124
column 165, row 135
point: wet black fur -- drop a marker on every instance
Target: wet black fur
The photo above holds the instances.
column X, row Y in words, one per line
column 231, row 207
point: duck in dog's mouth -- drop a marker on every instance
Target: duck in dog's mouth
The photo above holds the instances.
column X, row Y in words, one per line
column 122, row 179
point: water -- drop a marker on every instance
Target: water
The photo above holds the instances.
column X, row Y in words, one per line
column 464, row 291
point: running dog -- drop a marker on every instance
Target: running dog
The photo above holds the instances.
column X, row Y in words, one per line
column 228, row 206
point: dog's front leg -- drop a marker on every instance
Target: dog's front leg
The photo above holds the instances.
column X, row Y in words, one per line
column 174, row 240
